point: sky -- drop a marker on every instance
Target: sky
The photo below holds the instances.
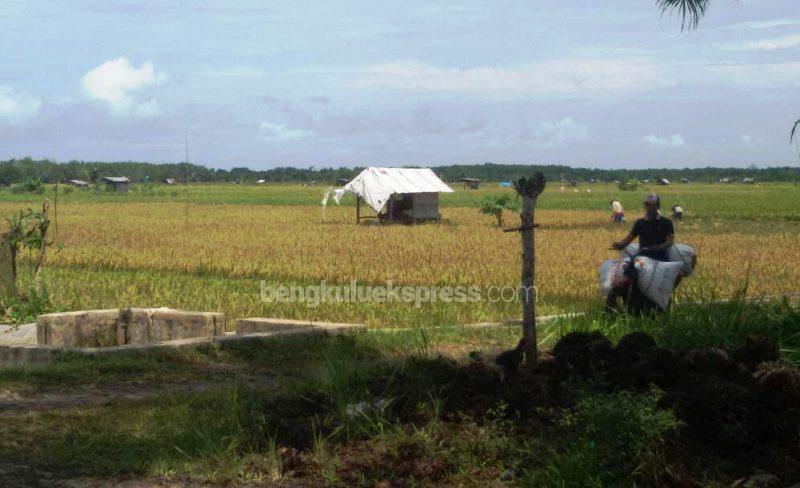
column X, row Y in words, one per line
column 593, row 83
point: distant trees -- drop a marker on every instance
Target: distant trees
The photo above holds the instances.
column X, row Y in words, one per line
column 18, row 170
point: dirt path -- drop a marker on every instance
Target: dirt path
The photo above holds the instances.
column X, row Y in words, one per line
column 20, row 402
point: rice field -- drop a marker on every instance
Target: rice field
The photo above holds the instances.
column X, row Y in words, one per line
column 210, row 247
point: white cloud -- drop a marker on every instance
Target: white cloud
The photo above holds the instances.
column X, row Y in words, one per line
column 563, row 131
column 747, row 139
column 768, row 24
column 783, row 42
column 280, row 132
column 676, row 140
column 116, row 81
column 579, row 77
column 15, row 107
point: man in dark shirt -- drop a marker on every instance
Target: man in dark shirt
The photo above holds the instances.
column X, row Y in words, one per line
column 655, row 233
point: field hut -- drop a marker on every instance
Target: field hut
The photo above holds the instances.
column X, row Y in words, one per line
column 748, row 181
column 261, row 182
column 404, row 195
column 118, row 183
column 342, row 181
column 662, row 182
column 78, row 183
column 471, row 183
column 169, row 181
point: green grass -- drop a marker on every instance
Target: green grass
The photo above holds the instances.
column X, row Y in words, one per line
column 767, row 201
column 232, row 433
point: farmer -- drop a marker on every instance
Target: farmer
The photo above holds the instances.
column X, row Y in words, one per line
column 617, row 212
column 655, row 232
column 677, row 212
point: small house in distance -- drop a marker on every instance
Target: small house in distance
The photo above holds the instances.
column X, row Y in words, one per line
column 471, row 183
column 662, row 181
column 260, row 182
column 118, row 183
column 78, row 183
column 405, row 195
column 169, row 181
column 748, row 181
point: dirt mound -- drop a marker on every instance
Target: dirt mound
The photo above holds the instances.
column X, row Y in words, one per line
column 585, row 354
column 756, row 350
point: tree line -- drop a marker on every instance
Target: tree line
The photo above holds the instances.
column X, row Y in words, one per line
column 19, row 170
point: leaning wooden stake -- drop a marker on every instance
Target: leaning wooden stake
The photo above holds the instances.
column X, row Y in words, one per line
column 529, row 189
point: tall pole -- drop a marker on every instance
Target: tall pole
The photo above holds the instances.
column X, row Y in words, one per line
column 186, row 138
column 529, row 189
column 527, row 290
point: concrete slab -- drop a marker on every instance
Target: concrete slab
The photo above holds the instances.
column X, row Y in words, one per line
column 171, row 320
column 254, row 325
column 22, row 335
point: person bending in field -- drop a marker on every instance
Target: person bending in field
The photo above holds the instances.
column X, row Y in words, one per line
column 677, row 212
column 655, row 232
column 617, row 212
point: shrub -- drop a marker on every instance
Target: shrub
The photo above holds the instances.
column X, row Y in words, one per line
column 30, row 185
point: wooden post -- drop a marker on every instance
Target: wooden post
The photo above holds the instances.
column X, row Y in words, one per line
column 358, row 209
column 527, row 292
column 529, row 189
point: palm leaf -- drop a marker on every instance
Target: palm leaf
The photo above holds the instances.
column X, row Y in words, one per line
column 794, row 130
column 689, row 10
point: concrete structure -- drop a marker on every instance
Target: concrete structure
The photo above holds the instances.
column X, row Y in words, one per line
column 143, row 331
column 258, row 325
column 115, row 327
column 118, row 183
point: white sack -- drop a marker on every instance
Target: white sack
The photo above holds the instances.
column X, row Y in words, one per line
column 657, row 279
column 678, row 253
column 611, row 274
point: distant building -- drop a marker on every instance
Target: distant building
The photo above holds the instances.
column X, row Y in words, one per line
column 261, row 182
column 118, row 183
column 685, row 181
column 169, row 181
column 78, row 183
column 748, row 181
column 471, row 183
column 662, row 181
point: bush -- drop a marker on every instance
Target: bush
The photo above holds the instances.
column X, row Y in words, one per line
column 30, row 185
column 608, row 440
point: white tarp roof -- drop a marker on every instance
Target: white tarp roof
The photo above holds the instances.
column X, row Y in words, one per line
column 377, row 185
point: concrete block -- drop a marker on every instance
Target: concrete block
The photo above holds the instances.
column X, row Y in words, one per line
column 90, row 328
column 150, row 325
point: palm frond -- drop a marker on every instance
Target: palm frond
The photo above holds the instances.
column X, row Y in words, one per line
column 689, row 10
column 794, row 130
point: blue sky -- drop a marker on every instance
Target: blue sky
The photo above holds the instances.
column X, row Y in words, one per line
column 606, row 83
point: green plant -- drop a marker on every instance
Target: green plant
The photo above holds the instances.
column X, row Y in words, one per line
column 608, row 439
column 496, row 205
column 29, row 185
